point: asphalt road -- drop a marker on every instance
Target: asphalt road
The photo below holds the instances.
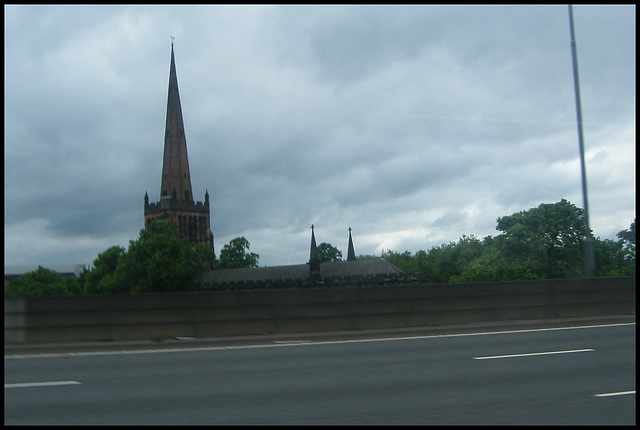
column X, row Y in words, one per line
column 565, row 375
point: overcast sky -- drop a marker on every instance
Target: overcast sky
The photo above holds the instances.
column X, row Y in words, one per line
column 413, row 125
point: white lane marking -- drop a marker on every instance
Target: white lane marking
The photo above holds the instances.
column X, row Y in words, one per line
column 284, row 345
column 40, row 384
column 283, row 342
column 530, row 354
column 619, row 393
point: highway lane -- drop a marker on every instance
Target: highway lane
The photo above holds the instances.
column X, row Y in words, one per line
column 479, row 378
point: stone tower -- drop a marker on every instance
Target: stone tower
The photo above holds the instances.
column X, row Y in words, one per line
column 191, row 219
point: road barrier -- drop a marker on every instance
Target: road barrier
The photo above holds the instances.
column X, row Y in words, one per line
column 298, row 310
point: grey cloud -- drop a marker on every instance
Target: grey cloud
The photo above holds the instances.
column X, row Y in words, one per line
column 387, row 119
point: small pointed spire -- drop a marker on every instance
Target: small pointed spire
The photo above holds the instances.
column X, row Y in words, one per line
column 351, row 255
column 313, row 256
column 314, row 261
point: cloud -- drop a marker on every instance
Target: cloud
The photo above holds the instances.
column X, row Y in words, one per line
column 412, row 124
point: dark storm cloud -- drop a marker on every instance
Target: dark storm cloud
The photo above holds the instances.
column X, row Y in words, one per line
column 411, row 124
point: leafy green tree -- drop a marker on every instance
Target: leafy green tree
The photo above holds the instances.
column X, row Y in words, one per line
column 437, row 264
column 75, row 284
column 465, row 251
column 548, row 240
column 626, row 247
column 492, row 266
column 328, row 252
column 628, row 240
column 367, row 257
column 403, row 261
column 42, row 282
column 235, row 255
column 161, row 261
column 158, row 261
column 442, row 262
column 103, row 266
column 609, row 257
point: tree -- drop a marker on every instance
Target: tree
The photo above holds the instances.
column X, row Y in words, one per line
column 492, row 266
column 42, row 282
column 547, row 239
column 437, row 265
column 609, row 257
column 158, row 261
column 234, row 255
column 161, row 261
column 442, row 262
column 628, row 240
column 328, row 253
column 103, row 266
column 403, row 261
column 464, row 252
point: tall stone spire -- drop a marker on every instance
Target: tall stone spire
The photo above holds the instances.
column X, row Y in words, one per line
column 191, row 219
column 351, row 255
column 176, row 179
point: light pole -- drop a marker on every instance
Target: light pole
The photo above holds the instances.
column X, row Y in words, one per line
column 589, row 260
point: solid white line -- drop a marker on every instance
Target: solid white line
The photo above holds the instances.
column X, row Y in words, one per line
column 40, row 384
column 532, row 354
column 620, row 393
column 290, row 344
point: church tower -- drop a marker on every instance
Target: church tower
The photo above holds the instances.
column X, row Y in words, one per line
column 191, row 219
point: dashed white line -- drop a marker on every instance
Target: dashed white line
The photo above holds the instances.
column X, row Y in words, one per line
column 530, row 354
column 619, row 393
column 287, row 342
column 40, row 384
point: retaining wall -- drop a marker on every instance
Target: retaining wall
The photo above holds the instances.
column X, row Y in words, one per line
column 234, row 313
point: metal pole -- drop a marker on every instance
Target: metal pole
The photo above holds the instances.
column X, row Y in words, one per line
column 589, row 260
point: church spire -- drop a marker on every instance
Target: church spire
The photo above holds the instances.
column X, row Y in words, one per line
column 175, row 164
column 313, row 255
column 192, row 220
column 314, row 261
column 351, row 255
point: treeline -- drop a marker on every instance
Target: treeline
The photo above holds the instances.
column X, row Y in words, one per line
column 541, row 243
column 44, row 282
column 546, row 242
column 158, row 261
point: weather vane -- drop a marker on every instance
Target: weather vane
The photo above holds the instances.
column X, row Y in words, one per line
column 172, row 39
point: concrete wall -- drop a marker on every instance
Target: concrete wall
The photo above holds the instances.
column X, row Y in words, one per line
column 212, row 314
